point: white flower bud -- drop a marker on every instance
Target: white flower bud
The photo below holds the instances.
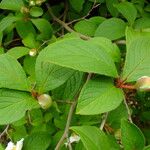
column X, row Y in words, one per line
column 32, row 3
column 45, row 101
column 33, row 52
column 143, row 84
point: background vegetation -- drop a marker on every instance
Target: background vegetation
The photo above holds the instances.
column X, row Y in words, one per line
column 75, row 74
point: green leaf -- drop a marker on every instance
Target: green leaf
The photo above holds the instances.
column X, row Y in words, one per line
column 1, row 147
column 50, row 76
column 128, row 10
column 77, row 4
column 37, row 141
column 111, row 48
column 29, row 65
column 110, row 6
column 44, row 27
column 14, row 104
column 70, row 88
column 80, row 55
column 112, row 29
column 98, row 96
column 92, row 137
column 11, row 4
column 6, row 22
column 11, row 74
column 114, row 118
column 88, row 27
column 147, row 147
column 18, row 52
column 132, row 137
column 142, row 23
column 25, row 28
column 1, row 50
column 30, row 41
column 137, row 59
column 36, row 11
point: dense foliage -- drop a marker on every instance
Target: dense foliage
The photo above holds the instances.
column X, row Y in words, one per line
column 75, row 74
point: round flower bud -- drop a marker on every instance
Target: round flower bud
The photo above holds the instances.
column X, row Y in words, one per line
column 24, row 10
column 45, row 101
column 33, row 52
column 143, row 84
column 32, row 3
column 39, row 2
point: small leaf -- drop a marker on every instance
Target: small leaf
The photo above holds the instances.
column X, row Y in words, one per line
column 37, row 141
column 132, row 137
column 11, row 4
column 6, row 22
column 36, row 11
column 24, row 28
column 92, row 137
column 44, row 27
column 98, row 96
column 137, row 59
column 128, row 10
column 110, row 6
column 80, row 55
column 142, row 23
column 14, row 104
column 11, row 74
column 88, row 27
column 112, row 29
column 147, row 147
column 18, row 52
column 77, row 4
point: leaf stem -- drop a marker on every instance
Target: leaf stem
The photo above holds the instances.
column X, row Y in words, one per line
column 125, row 86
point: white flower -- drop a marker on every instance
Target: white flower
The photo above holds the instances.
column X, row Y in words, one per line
column 73, row 138
column 12, row 146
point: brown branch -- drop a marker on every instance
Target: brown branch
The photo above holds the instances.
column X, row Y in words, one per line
column 62, row 101
column 65, row 134
column 128, row 110
column 93, row 7
column 103, row 120
column 4, row 132
column 84, row 37
column 65, row 15
column 70, row 114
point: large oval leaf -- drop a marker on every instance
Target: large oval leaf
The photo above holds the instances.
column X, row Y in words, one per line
column 80, row 55
column 137, row 59
column 132, row 137
column 98, row 96
column 70, row 88
column 12, row 75
column 50, row 76
column 14, row 104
